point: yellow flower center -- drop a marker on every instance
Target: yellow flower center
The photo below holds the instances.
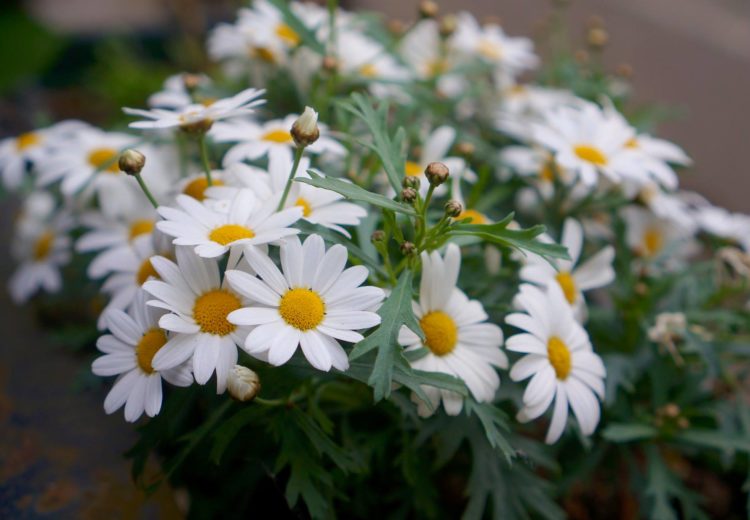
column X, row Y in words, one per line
column 211, row 310
column 440, row 331
column 104, row 159
column 147, row 348
column 473, row 215
column 547, row 173
column 489, row 50
column 277, row 136
column 229, row 233
column 26, row 140
column 653, row 241
column 568, row 286
column 145, row 271
column 43, row 246
column 516, row 90
column 302, row 308
column 591, row 154
column 412, row 169
column 305, row 205
column 632, row 143
column 287, row 34
column 263, row 54
column 197, row 187
column 208, row 101
column 436, row 67
column 140, row 227
column 559, row 357
column 368, row 70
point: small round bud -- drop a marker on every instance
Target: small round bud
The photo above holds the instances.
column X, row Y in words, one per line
column 411, row 181
column 428, row 9
column 192, row 81
column 671, row 410
column 330, row 64
column 453, row 208
column 396, row 27
column 683, row 423
column 437, row 173
column 466, row 148
column 448, row 25
column 409, row 195
column 408, row 249
column 305, row 129
column 198, row 127
column 597, row 37
column 377, row 236
column 243, row 384
column 131, row 161
column 625, row 70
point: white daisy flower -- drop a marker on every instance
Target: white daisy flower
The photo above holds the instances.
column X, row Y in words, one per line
column 195, row 114
column 558, row 358
column 663, row 204
column 175, row 95
column 198, row 303
column 248, row 222
column 653, row 238
column 128, row 353
column 722, row 223
column 573, row 279
column 458, row 340
column 524, row 105
column 313, row 303
column 256, row 140
column 362, row 57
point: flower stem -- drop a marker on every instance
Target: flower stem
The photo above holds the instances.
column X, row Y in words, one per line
column 297, row 158
column 145, row 189
column 204, row 158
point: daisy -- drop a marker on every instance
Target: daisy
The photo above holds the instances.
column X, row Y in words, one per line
column 524, row 105
column 364, row 58
column 128, row 353
column 197, row 115
column 657, row 156
column 664, row 204
column 198, row 303
column 175, row 94
column 722, row 223
column 312, row 303
column 255, row 140
column 458, row 339
column 573, row 279
column 652, row 237
column 247, row 222
column 558, row 358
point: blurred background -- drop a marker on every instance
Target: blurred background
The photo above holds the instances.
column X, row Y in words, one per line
column 59, row 454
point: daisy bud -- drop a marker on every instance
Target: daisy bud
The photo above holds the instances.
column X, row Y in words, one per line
column 453, row 208
column 377, row 236
column 191, row 81
column 428, row 9
column 671, row 410
column 409, row 195
column 411, row 182
column 597, row 38
column 131, row 161
column 437, row 173
column 408, row 249
column 330, row 64
column 243, row 384
column 305, row 129
column 448, row 25
column 396, row 27
column 465, row 148
column 683, row 423
column 625, row 70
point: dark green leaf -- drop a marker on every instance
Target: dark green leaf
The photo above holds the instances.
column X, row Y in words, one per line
column 629, row 432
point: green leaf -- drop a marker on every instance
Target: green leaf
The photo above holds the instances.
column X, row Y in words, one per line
column 715, row 439
column 230, row 428
column 390, row 150
column 494, row 422
column 353, row 192
column 629, row 432
column 663, row 487
column 395, row 312
column 306, row 35
column 521, row 239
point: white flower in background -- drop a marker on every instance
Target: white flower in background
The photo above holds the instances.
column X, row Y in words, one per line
column 196, row 184
column 511, row 56
column 128, row 354
column 572, row 278
column 198, row 303
column 537, row 166
column 313, row 302
column 29, row 148
column 319, row 206
column 655, row 238
column 248, row 221
column 667, row 205
column 256, row 140
column 587, row 140
column 196, row 114
column 657, row 155
column 364, row 58
column 722, row 223
column 175, row 94
column 458, row 339
column 435, row 149
column 523, row 105
column 559, row 360
column 41, row 244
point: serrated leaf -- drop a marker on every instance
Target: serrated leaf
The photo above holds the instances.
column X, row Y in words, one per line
column 493, row 421
column 715, row 439
column 629, row 432
column 354, row 192
column 307, row 36
column 229, row 429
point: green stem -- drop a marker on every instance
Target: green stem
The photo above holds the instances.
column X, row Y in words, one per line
column 145, row 189
column 204, row 158
column 297, row 158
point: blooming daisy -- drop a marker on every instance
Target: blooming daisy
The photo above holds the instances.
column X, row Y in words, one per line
column 175, row 94
column 364, row 58
column 652, row 237
column 128, row 353
column 573, row 279
column 248, row 222
column 558, row 358
column 522, row 105
column 198, row 303
column 722, row 223
column 255, row 140
column 458, row 340
column 197, row 115
column 313, row 302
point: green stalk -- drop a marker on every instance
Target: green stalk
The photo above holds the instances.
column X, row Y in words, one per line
column 145, row 189
column 297, row 158
column 204, row 158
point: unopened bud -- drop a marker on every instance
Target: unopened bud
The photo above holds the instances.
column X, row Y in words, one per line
column 671, row 410
column 408, row 249
column 428, row 9
column 448, row 25
column 305, row 129
column 198, row 128
column 411, row 181
column 465, row 148
column 625, row 70
column 453, row 208
column 191, row 81
column 131, row 161
column 243, row 384
column 597, row 37
column 396, row 27
column 377, row 236
column 683, row 423
column 409, row 195
column 330, row 64
column 437, row 173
